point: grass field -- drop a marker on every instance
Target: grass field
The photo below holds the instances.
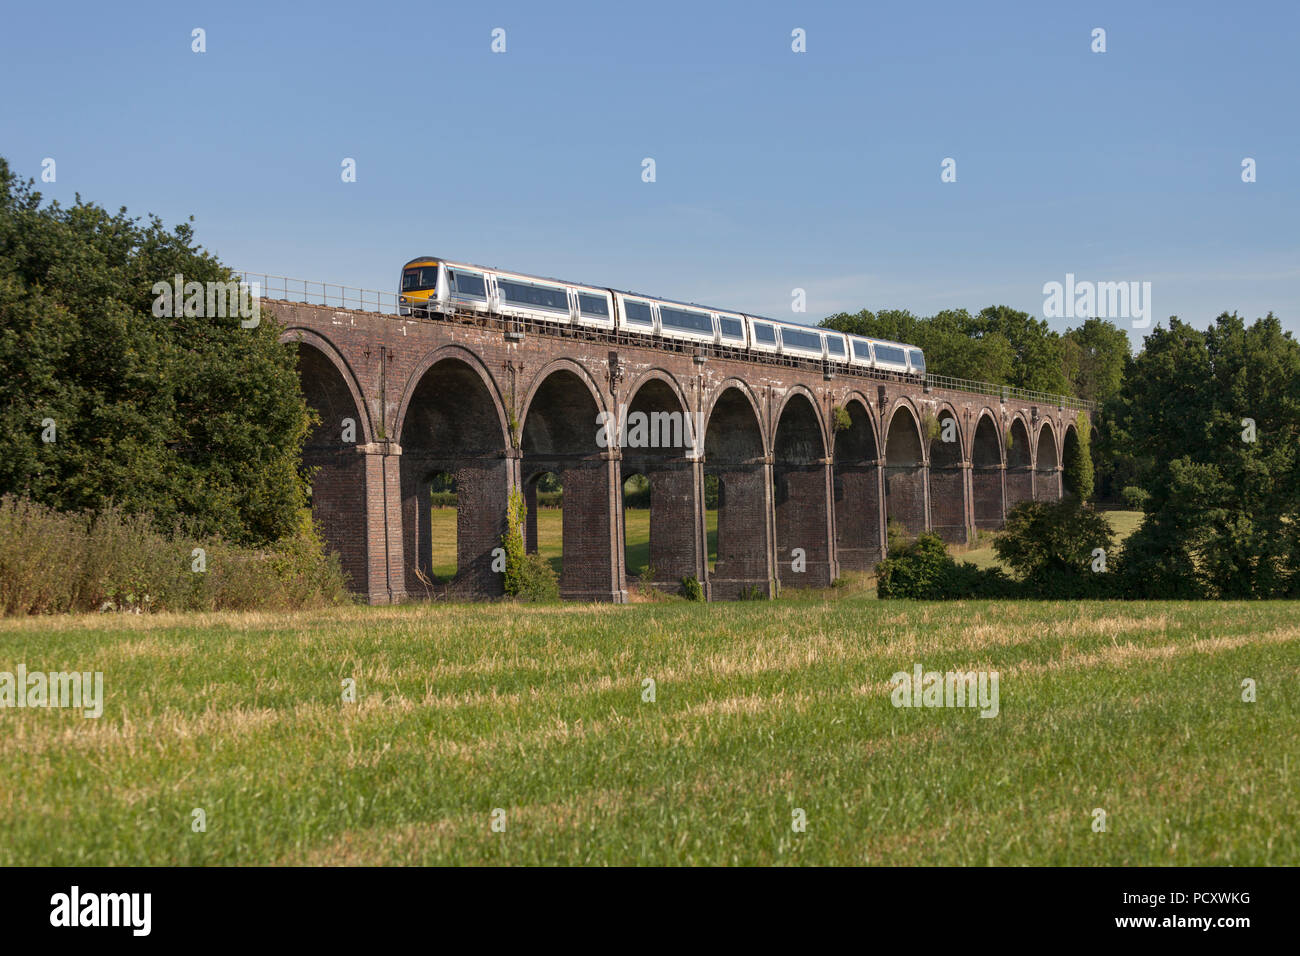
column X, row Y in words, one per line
column 549, row 535
column 761, row 709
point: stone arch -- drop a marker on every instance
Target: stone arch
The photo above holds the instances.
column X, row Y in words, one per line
column 1071, row 450
column 561, row 421
column 325, row 350
column 1020, row 473
column 470, row 359
column 1047, row 464
column 663, row 440
column 859, row 534
column 453, row 423
column 329, row 388
column 988, row 496
column 735, row 452
column 947, row 477
column 905, row 469
column 800, row 494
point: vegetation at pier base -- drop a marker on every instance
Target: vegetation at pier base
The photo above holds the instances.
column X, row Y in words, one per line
column 760, row 708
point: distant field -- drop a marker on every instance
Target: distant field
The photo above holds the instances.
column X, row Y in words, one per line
column 549, row 531
column 762, row 708
column 1124, row 524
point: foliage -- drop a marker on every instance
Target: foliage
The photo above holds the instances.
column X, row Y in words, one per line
column 923, row 570
column 1050, row 546
column 840, row 418
column 537, row 580
column 1077, row 459
column 1223, row 513
column 513, row 542
column 190, row 420
column 1135, row 497
column 692, row 589
column 65, row 562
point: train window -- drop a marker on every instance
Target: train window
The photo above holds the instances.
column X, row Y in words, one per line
column 468, row 284
column 537, row 296
column 731, row 328
column 638, row 313
column 595, row 306
column 764, row 333
column 798, row 339
column 686, row 320
column 862, row 350
column 835, row 345
column 419, row 278
column 918, row 360
column 891, row 354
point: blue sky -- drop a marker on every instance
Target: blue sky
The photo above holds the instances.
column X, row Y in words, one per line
column 774, row 170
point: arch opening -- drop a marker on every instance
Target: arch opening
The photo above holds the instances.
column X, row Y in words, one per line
column 905, row 479
column 734, row 459
column 1047, row 478
column 559, row 436
column 801, row 497
column 331, row 451
column 1020, row 475
column 452, row 445
column 661, row 528
column 987, row 477
column 859, row 537
column 947, row 480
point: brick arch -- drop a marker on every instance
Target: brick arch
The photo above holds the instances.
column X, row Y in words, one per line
column 742, row 387
column 452, row 423
column 1070, row 447
column 947, row 478
column 820, row 419
column 558, row 434
column 855, row 396
column 475, row 363
column 856, row 490
column 735, row 450
column 988, row 476
column 1020, row 460
column 1047, row 474
column 905, row 468
column 295, row 335
column 668, row 465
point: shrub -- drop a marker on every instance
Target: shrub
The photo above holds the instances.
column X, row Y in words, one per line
column 537, row 581
column 513, row 542
column 692, row 589
column 56, row 562
column 1135, row 497
column 1050, row 545
column 923, row 570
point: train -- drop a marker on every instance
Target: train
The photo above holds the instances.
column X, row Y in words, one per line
column 430, row 285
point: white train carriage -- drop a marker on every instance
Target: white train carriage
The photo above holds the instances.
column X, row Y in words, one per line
column 860, row 352
column 915, row 361
column 463, row 288
column 837, row 347
column 527, row 297
column 593, row 307
column 889, row 356
column 732, row 330
column 762, row 335
column 801, row 341
column 687, row 323
column 636, row 313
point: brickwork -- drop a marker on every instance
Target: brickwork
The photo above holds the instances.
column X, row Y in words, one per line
column 495, row 407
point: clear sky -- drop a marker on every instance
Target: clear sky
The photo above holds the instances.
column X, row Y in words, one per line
column 774, row 169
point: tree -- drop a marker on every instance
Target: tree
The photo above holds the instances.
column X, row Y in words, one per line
column 192, row 420
column 1096, row 352
column 1052, row 546
column 1213, row 421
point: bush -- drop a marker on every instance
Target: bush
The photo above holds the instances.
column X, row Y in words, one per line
column 55, row 562
column 537, row 580
column 692, row 589
column 923, row 570
column 1135, row 497
column 1051, row 546
column 513, row 542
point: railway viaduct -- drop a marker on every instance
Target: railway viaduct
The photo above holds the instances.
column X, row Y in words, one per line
column 812, row 463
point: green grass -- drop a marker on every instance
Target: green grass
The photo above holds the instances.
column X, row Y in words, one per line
column 549, row 536
column 761, row 708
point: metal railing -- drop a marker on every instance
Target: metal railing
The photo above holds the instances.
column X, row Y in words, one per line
column 331, row 294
